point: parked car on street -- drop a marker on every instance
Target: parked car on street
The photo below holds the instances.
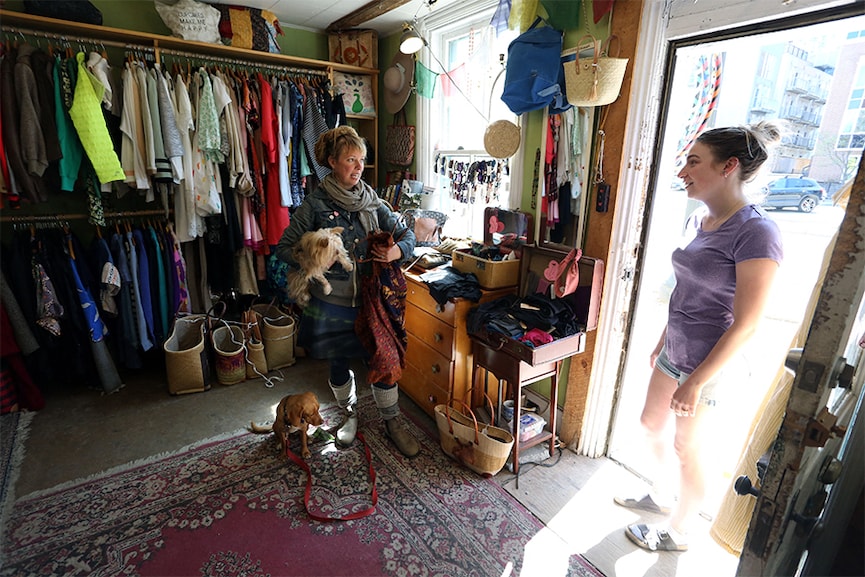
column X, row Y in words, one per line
column 793, row 191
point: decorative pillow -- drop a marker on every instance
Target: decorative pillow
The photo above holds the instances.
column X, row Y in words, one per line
column 357, row 92
column 250, row 28
column 190, row 20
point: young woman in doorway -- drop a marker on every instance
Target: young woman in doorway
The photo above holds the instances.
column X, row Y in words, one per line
column 723, row 279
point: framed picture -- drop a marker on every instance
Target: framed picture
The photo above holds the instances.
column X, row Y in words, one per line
column 357, row 92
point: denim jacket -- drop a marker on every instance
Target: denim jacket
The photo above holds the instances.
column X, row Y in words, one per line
column 318, row 211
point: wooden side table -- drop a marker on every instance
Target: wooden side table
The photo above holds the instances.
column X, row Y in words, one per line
column 518, row 374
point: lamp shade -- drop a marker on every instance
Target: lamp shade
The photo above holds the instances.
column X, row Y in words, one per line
column 410, row 41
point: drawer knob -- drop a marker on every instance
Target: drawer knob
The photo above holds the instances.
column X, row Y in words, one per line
column 436, row 369
column 437, row 337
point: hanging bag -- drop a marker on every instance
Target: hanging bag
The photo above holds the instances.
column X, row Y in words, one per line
column 532, row 74
column 596, row 79
column 399, row 141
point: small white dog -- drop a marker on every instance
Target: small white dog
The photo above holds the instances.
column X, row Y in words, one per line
column 316, row 252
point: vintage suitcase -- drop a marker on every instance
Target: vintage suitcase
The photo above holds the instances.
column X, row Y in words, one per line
column 586, row 300
column 504, row 228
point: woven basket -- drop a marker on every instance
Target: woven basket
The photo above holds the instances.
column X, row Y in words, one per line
column 186, row 365
column 278, row 330
column 228, row 344
column 256, row 361
column 484, row 451
column 594, row 80
column 502, row 139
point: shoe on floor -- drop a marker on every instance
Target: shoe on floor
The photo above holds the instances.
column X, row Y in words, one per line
column 644, row 503
column 654, row 538
column 403, row 440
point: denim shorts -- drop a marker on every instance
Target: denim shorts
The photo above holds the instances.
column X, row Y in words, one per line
column 708, row 395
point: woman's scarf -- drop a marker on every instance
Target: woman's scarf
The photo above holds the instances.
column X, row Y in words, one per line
column 361, row 199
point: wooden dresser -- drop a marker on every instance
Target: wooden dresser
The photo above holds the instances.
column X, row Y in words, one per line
column 439, row 355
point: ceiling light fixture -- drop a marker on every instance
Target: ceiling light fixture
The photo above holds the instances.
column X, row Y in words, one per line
column 411, row 41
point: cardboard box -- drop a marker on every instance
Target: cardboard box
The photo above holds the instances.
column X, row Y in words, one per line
column 586, row 301
column 508, row 229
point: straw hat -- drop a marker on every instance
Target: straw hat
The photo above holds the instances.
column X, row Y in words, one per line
column 502, row 139
column 397, row 81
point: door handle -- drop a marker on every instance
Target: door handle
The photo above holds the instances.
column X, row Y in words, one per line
column 743, row 487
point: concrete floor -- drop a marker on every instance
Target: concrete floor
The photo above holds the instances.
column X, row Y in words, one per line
column 82, row 432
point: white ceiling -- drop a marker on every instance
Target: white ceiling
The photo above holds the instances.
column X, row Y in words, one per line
column 317, row 15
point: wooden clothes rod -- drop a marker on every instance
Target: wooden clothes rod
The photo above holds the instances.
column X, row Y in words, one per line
column 69, row 40
column 78, row 216
column 239, row 62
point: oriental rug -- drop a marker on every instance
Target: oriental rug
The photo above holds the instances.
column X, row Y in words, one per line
column 14, row 428
column 234, row 506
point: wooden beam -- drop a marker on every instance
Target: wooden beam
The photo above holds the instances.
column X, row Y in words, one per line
column 365, row 13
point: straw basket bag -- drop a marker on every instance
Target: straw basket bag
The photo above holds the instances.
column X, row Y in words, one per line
column 278, row 330
column 228, row 344
column 256, row 362
column 596, row 79
column 186, row 364
column 484, row 451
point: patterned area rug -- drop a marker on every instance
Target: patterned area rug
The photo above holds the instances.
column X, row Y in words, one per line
column 14, row 428
column 234, row 506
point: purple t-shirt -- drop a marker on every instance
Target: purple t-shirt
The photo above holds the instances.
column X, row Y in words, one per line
column 701, row 306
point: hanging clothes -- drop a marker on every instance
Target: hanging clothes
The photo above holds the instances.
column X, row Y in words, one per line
column 277, row 214
column 86, row 115
column 70, row 146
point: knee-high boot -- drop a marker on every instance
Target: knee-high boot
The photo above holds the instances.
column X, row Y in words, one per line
column 346, row 398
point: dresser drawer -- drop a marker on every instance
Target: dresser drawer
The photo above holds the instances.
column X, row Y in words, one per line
column 418, row 295
column 431, row 330
column 423, row 392
column 434, row 367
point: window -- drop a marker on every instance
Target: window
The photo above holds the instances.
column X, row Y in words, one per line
column 852, row 134
column 468, row 55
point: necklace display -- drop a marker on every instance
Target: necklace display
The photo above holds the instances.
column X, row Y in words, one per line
column 467, row 181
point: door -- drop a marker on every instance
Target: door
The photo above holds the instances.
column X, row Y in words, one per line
column 814, row 474
column 750, row 75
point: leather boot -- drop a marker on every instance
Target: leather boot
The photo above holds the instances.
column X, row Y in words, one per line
column 348, row 429
column 403, row 440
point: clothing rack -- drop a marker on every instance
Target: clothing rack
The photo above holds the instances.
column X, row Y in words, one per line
column 238, row 62
column 68, row 39
column 65, row 40
column 78, row 216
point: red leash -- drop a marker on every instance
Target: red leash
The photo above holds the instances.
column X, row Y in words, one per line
column 306, row 495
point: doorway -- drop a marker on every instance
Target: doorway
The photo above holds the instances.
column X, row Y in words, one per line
column 799, row 75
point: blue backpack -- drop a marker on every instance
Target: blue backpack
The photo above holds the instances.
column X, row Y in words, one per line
column 533, row 74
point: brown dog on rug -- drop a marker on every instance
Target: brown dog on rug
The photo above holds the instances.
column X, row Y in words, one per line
column 294, row 413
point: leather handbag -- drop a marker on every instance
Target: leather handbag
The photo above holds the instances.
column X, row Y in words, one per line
column 563, row 276
column 399, row 141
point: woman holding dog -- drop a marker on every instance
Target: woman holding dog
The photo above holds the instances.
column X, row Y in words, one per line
column 327, row 326
column 723, row 279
